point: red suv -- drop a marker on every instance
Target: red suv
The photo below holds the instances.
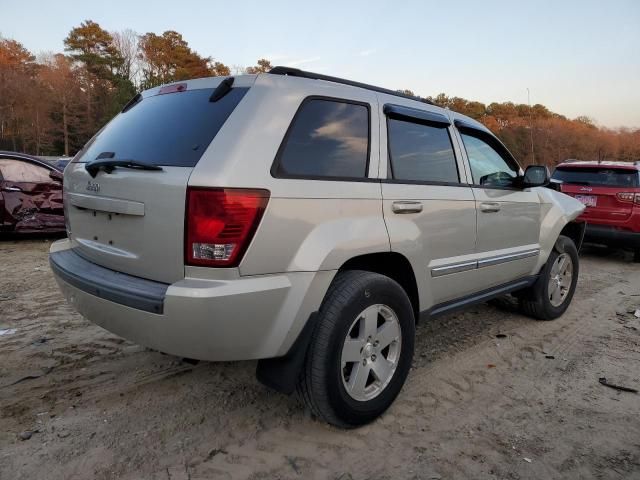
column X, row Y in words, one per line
column 611, row 192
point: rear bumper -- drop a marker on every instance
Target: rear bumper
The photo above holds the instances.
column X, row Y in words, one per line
column 101, row 282
column 240, row 319
column 609, row 235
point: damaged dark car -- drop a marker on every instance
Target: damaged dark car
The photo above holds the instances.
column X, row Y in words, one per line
column 30, row 195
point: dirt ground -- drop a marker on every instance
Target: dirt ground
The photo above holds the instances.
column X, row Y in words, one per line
column 526, row 404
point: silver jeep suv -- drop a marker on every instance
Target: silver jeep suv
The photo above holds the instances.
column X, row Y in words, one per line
column 308, row 222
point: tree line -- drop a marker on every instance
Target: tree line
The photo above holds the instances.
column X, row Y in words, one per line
column 51, row 104
column 534, row 134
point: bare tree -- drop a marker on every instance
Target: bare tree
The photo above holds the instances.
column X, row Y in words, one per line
column 128, row 46
column 238, row 69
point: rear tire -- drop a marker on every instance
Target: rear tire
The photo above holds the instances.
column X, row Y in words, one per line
column 551, row 295
column 361, row 349
column 636, row 255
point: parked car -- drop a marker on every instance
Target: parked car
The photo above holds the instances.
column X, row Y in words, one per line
column 611, row 193
column 308, row 222
column 59, row 163
column 30, row 195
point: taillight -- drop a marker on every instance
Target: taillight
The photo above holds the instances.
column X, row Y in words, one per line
column 220, row 224
column 625, row 196
column 629, row 197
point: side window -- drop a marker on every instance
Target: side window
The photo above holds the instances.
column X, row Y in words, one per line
column 23, row 172
column 328, row 138
column 421, row 152
column 488, row 167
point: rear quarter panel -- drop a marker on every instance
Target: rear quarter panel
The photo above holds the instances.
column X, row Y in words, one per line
column 309, row 225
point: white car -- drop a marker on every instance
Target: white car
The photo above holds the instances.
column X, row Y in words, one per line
column 306, row 221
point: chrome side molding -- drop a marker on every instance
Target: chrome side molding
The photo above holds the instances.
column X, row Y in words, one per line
column 453, row 268
column 485, row 262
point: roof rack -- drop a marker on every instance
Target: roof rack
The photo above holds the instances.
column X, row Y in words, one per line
column 296, row 72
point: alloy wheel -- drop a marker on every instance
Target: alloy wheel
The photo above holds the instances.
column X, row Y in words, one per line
column 371, row 352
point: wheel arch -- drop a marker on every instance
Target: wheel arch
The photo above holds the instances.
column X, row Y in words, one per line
column 282, row 373
column 393, row 265
column 575, row 231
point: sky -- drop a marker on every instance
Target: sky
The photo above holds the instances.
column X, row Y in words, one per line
column 575, row 57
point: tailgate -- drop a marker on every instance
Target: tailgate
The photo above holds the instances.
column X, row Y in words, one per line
column 129, row 216
column 134, row 223
column 602, row 202
column 601, row 188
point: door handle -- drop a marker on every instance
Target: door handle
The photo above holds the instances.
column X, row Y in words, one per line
column 406, row 207
column 489, row 207
column 11, row 189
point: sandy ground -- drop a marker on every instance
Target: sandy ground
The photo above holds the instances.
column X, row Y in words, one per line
column 474, row 406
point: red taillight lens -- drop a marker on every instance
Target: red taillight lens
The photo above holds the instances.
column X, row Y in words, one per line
column 220, row 224
column 625, row 196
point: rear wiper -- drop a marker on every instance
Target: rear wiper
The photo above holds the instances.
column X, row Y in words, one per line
column 109, row 164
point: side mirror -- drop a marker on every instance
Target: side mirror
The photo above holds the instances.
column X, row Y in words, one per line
column 536, row 176
column 56, row 175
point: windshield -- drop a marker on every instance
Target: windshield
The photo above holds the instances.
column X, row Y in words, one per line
column 605, row 177
column 173, row 129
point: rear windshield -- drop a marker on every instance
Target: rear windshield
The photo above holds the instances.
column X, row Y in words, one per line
column 605, row 177
column 173, row 129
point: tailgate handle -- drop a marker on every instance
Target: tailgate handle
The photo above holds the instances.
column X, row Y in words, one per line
column 106, row 204
column 489, row 207
column 406, row 207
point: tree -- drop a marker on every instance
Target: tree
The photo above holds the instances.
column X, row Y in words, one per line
column 168, row 58
column 18, row 93
column 585, row 120
column 219, row 70
column 66, row 98
column 126, row 43
column 263, row 66
column 14, row 55
column 101, row 74
column 94, row 47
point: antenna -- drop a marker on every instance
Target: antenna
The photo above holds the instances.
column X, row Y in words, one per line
column 533, row 153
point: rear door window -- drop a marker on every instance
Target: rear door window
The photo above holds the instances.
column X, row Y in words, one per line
column 327, row 139
column 421, row 152
column 172, row 129
column 604, row 177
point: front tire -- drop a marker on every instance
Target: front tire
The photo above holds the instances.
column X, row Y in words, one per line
column 551, row 295
column 361, row 349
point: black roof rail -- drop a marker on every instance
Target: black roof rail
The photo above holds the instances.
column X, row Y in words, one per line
column 296, row 72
